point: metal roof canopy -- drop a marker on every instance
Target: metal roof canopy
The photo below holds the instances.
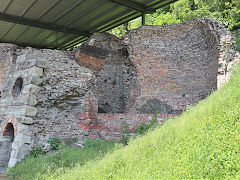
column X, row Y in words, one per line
column 62, row 24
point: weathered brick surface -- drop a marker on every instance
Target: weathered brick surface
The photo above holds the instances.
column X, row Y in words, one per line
column 110, row 126
column 176, row 65
column 7, row 55
column 107, row 57
column 47, row 93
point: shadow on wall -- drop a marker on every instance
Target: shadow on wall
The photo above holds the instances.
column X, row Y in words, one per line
column 6, row 146
column 153, row 105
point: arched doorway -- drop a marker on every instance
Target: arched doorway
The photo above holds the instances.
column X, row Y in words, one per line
column 6, row 146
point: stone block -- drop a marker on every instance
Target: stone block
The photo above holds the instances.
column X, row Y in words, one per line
column 42, row 63
column 12, row 162
column 36, row 80
column 25, row 120
column 33, row 80
column 7, row 101
column 35, row 71
column 20, row 153
column 26, row 64
column 17, row 74
column 2, row 109
column 11, row 110
column 21, row 58
column 31, row 89
column 32, row 100
column 28, row 111
column 22, row 129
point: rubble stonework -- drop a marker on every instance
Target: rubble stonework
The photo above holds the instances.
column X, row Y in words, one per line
column 108, row 58
column 41, row 93
column 106, row 81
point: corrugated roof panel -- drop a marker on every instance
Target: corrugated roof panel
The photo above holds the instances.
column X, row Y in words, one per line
column 142, row 1
column 128, row 15
column 4, row 4
column 106, row 17
column 59, row 9
column 27, row 35
column 40, row 37
column 60, row 40
column 14, row 32
column 65, row 23
column 40, row 8
column 18, row 7
column 80, row 12
column 4, row 27
column 106, row 11
column 53, row 37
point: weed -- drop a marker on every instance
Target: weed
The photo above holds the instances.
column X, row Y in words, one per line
column 125, row 132
column 143, row 128
column 75, row 139
column 55, row 143
column 39, row 150
column 114, row 82
column 238, row 44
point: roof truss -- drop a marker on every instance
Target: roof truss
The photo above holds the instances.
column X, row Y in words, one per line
column 134, row 5
column 38, row 24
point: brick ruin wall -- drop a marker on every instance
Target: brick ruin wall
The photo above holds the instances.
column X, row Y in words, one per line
column 164, row 68
column 93, row 89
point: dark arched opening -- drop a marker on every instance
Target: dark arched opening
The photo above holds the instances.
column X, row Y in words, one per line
column 17, row 87
column 9, row 132
column 6, row 146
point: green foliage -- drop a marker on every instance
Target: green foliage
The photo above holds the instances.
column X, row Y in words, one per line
column 125, row 133
column 70, row 141
column 39, row 150
column 51, row 165
column 238, row 44
column 55, row 143
column 143, row 128
column 114, row 82
column 202, row 143
column 225, row 11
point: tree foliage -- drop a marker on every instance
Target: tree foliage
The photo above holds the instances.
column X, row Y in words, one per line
column 225, row 11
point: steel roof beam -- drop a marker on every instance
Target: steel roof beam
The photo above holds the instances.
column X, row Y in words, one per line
column 162, row 3
column 134, row 6
column 42, row 25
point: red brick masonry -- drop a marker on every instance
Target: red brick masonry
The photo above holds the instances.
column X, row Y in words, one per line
column 109, row 126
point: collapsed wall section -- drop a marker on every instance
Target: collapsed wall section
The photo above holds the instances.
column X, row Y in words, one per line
column 115, row 74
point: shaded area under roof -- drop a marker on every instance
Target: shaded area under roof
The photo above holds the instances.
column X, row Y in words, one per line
column 62, row 24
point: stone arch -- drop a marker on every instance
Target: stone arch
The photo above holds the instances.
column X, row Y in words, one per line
column 6, row 141
column 9, row 131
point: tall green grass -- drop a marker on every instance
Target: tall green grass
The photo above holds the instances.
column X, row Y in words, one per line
column 204, row 142
column 60, row 161
column 238, row 44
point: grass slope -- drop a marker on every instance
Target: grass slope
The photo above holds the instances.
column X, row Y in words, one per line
column 59, row 162
column 204, row 142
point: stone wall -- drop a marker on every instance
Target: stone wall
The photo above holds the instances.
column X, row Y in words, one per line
column 93, row 89
column 41, row 93
column 110, row 126
column 108, row 58
column 178, row 65
column 165, row 68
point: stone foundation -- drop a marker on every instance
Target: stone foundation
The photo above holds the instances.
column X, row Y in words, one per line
column 93, row 89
